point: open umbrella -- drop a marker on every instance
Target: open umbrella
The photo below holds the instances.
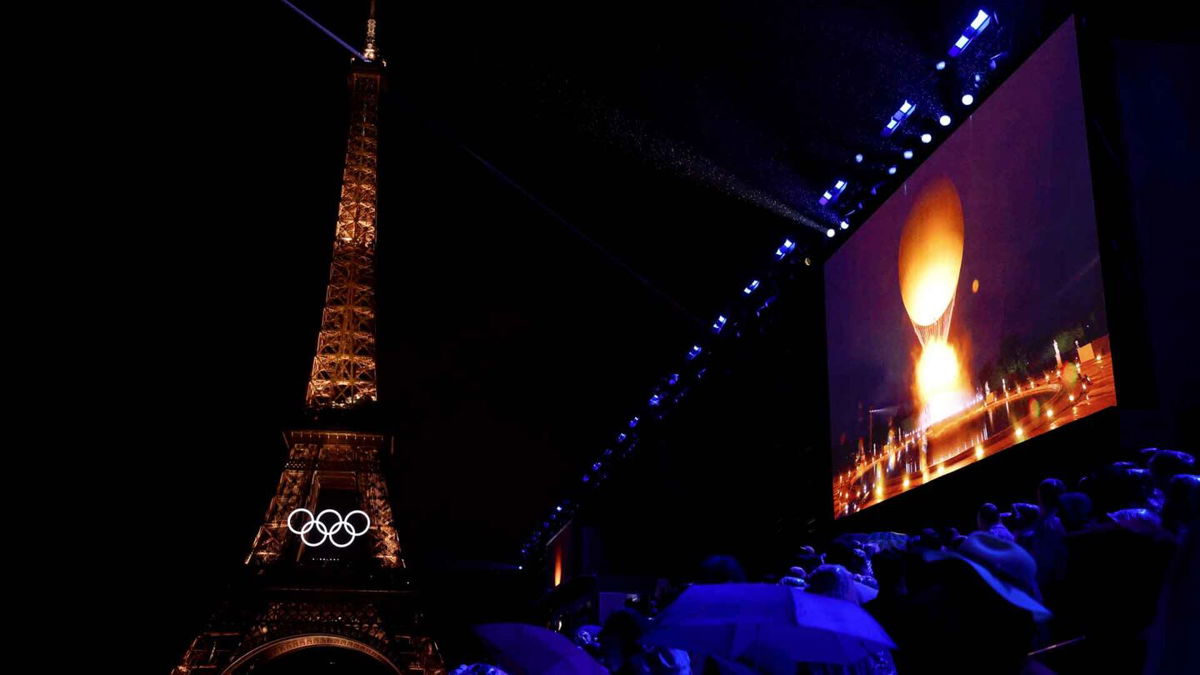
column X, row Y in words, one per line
column 729, row 620
column 521, row 649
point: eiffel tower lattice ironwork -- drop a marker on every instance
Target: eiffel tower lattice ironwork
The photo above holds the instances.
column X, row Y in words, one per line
column 306, row 582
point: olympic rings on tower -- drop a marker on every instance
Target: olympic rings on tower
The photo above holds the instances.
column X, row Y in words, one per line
column 329, row 528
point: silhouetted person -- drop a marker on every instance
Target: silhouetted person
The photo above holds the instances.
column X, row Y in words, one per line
column 1182, row 508
column 1166, row 464
column 988, row 520
column 1114, row 573
column 1046, row 537
column 721, row 569
column 1048, row 492
column 1075, row 510
column 622, row 651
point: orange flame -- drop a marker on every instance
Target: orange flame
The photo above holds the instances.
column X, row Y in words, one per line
column 941, row 381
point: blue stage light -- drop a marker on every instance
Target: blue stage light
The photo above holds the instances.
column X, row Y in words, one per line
column 832, row 193
column 694, row 352
column 621, row 438
column 891, row 170
column 558, row 508
column 908, row 154
column 926, row 137
column 586, row 477
column 981, row 21
column 968, row 99
column 718, row 324
column 858, row 158
column 944, row 120
column 655, row 400
column 829, row 233
column 845, row 225
column 899, row 116
column 673, row 379
column 633, row 423
column 750, row 287
column 786, row 248
column 941, row 65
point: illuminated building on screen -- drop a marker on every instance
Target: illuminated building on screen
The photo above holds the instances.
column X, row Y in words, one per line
column 325, row 569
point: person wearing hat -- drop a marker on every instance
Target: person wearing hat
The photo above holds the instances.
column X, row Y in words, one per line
column 1004, row 566
column 971, row 610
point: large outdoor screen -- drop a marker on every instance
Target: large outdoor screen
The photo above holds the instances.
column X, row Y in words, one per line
column 967, row 314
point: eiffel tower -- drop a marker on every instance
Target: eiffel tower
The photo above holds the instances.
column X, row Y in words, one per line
column 325, row 568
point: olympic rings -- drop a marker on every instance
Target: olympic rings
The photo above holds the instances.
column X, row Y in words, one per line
column 328, row 529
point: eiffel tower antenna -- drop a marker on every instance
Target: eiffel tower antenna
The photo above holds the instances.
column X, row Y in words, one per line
column 369, row 51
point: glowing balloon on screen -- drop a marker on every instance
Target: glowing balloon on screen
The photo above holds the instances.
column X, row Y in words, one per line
column 931, row 250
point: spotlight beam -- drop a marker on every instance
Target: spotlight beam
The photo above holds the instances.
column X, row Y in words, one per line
column 357, row 54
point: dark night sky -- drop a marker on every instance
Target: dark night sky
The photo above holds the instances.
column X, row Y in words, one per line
column 676, row 143
column 1020, row 165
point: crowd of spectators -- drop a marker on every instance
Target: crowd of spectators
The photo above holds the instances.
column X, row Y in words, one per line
column 1096, row 576
column 1079, row 580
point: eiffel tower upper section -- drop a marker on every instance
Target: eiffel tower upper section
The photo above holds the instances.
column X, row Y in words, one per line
column 343, row 370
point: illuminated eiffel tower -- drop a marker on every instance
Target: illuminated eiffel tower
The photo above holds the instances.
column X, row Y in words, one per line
column 325, row 568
